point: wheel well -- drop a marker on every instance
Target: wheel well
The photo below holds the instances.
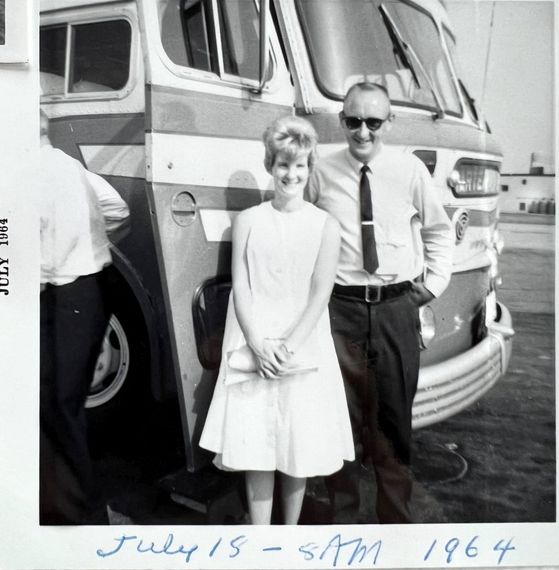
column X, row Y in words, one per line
column 126, row 295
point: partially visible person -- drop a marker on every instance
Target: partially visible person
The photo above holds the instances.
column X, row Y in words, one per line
column 77, row 211
column 281, row 407
column 396, row 255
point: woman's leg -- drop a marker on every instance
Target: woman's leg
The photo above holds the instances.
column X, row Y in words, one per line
column 293, row 493
column 260, row 494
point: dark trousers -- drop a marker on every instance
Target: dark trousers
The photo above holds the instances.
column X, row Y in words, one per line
column 73, row 321
column 378, row 351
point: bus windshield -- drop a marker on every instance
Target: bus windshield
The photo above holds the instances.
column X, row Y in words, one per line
column 377, row 49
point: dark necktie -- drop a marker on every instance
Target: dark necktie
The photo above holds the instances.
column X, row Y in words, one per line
column 370, row 258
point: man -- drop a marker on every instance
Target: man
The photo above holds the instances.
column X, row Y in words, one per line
column 77, row 209
column 396, row 255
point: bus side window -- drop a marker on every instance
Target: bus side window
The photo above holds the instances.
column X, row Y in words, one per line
column 99, row 57
column 192, row 37
column 52, row 59
column 238, row 21
column 198, row 31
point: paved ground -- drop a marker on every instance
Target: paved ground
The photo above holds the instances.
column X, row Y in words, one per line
column 519, row 218
column 502, row 464
column 494, row 462
column 524, row 235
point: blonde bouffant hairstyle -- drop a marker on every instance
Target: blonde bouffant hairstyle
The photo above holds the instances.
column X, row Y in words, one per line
column 292, row 136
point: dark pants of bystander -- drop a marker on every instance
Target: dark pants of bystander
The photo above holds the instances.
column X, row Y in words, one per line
column 73, row 321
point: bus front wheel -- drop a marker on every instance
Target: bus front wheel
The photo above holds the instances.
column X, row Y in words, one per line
column 120, row 394
column 112, row 367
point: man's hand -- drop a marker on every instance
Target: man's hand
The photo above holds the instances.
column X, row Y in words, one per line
column 420, row 294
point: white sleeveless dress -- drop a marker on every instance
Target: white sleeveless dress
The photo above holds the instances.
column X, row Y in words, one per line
column 298, row 424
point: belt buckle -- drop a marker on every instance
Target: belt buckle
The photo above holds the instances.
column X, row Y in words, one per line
column 376, row 298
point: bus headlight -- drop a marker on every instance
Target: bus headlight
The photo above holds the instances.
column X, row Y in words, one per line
column 427, row 320
column 471, row 178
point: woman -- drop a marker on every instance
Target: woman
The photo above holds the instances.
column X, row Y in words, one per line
column 279, row 403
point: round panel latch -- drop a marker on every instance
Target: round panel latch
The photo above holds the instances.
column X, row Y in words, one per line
column 461, row 220
column 183, row 208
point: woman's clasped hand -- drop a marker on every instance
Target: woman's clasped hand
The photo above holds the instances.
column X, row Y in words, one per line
column 272, row 357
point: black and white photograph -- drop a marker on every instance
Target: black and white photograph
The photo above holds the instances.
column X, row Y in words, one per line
column 287, row 273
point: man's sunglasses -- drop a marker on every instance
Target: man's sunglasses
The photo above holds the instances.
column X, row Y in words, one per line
column 354, row 123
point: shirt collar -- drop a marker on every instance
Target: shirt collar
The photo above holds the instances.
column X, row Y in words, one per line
column 356, row 165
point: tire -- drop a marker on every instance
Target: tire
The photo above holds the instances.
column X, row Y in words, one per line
column 112, row 367
column 124, row 419
column 120, row 393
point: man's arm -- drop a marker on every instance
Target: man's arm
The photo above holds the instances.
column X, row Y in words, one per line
column 114, row 208
column 436, row 233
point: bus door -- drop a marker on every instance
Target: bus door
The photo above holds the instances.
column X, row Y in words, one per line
column 207, row 105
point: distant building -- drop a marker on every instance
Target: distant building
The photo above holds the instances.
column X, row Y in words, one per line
column 541, row 163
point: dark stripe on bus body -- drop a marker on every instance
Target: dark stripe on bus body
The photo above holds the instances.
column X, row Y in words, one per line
column 71, row 132
column 190, row 112
column 416, row 131
column 203, row 114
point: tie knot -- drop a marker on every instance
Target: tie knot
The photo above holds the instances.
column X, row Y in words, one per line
column 365, row 168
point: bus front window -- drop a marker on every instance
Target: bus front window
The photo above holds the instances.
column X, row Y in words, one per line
column 349, row 40
column 420, row 30
column 471, row 106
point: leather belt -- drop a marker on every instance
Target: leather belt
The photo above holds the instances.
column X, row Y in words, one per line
column 372, row 294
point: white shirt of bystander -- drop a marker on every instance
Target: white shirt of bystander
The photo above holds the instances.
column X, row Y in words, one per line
column 78, row 209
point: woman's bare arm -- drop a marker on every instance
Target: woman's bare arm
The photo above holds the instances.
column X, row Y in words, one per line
column 268, row 363
column 321, row 288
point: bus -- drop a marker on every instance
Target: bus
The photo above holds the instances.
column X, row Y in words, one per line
column 168, row 100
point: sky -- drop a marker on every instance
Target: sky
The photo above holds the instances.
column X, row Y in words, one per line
column 518, row 100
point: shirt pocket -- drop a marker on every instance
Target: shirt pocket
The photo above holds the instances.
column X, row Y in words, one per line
column 396, row 232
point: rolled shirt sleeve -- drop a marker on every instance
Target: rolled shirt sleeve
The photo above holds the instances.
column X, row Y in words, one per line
column 436, row 233
column 114, row 209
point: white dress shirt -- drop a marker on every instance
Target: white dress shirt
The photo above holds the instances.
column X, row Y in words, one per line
column 78, row 208
column 412, row 230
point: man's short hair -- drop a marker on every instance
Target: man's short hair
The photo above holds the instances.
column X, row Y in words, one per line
column 367, row 86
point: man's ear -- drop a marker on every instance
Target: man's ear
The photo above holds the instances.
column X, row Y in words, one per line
column 388, row 124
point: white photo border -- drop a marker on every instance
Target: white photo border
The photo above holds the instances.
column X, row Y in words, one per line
column 24, row 544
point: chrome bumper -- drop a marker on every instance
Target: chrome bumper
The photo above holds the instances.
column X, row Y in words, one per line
column 448, row 387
